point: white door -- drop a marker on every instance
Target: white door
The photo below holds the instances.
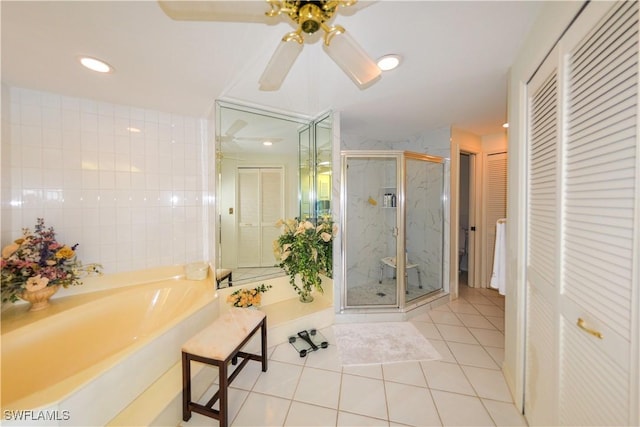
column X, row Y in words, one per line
column 260, row 205
column 495, row 208
column 582, row 266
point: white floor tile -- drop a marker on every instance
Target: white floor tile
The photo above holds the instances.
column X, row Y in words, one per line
column 424, row 318
column 460, row 410
column 497, row 354
column 319, row 387
column 475, row 321
column 247, row 378
column 490, row 310
column 262, row 410
column 369, row 371
column 410, row 405
column 444, row 350
column 487, row 337
column 325, row 358
column 498, row 322
column 504, row 414
column 302, row 414
column 346, row 419
column 488, row 383
column 281, row 379
column 447, row 377
column 456, row 334
column 363, row 396
column 286, row 353
column 405, row 373
column 445, row 318
column 472, row 355
column 429, row 330
column 461, row 306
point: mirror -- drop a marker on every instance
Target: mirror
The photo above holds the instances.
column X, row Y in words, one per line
column 267, row 170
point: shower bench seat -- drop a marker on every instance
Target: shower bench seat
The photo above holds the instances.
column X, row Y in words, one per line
column 391, row 262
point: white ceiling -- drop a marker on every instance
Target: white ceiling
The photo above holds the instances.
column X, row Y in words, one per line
column 456, row 61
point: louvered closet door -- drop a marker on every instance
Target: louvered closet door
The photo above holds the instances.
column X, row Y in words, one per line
column 599, row 192
column 495, row 206
column 272, row 199
column 542, row 246
column 248, row 217
column 261, row 205
column 583, row 225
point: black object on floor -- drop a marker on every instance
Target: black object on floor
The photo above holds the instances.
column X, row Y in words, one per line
column 307, row 341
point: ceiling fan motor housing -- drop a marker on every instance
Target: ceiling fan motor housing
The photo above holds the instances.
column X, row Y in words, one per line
column 310, row 15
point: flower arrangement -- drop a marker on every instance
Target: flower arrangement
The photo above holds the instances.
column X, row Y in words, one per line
column 305, row 249
column 247, row 297
column 38, row 260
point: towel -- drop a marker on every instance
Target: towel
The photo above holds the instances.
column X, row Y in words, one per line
column 499, row 276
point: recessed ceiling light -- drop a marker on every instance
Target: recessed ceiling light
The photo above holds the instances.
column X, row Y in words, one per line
column 505, row 125
column 133, row 130
column 96, row 64
column 267, row 143
column 388, row 62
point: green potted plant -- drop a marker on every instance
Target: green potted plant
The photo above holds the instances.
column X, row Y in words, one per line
column 305, row 250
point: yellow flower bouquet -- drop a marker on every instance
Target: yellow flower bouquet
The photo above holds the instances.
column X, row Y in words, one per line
column 247, row 297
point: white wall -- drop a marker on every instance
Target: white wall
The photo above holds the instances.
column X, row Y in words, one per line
column 553, row 19
column 131, row 200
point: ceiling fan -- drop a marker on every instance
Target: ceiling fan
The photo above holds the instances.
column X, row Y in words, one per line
column 231, row 141
column 308, row 17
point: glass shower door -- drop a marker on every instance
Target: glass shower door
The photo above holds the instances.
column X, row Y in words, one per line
column 424, row 225
column 371, row 201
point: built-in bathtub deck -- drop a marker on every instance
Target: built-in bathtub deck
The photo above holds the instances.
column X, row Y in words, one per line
column 161, row 403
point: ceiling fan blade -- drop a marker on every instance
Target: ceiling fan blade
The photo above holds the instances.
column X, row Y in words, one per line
column 216, row 10
column 359, row 5
column 353, row 60
column 280, row 64
column 236, row 127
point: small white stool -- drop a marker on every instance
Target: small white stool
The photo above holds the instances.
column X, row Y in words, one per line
column 391, row 262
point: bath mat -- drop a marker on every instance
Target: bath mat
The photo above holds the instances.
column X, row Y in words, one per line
column 382, row 342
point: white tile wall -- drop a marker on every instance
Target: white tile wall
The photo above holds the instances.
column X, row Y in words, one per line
column 131, row 200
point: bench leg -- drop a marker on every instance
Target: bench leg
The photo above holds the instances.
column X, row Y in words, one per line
column 263, row 339
column 186, row 387
column 223, row 397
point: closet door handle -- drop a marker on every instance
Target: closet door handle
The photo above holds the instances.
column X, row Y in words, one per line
column 582, row 325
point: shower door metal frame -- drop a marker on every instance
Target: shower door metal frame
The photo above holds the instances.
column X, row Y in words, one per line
column 401, row 157
column 382, row 154
column 410, row 155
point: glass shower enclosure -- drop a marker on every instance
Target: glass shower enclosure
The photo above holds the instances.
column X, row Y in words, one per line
column 393, row 228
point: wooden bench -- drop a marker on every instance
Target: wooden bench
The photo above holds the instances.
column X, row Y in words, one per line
column 222, row 274
column 219, row 344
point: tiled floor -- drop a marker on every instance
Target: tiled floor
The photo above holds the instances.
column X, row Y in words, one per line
column 465, row 388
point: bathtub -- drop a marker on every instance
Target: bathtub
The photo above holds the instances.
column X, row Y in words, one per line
column 86, row 357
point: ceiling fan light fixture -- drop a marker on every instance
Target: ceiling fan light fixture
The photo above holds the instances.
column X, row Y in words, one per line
column 389, row 62
column 349, row 56
column 281, row 62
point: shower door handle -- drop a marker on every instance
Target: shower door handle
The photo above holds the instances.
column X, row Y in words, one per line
column 394, row 231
